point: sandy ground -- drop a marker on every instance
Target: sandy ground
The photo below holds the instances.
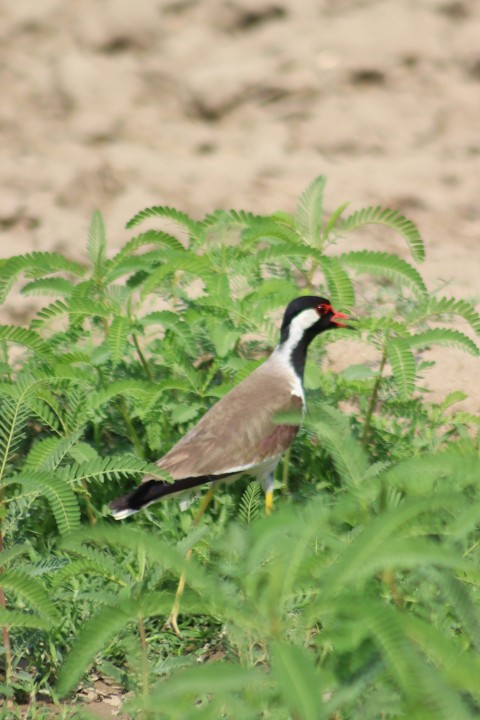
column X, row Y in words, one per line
column 206, row 104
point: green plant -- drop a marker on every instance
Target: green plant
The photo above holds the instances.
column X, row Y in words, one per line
column 374, row 591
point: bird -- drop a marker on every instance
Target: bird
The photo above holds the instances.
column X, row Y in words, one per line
column 238, row 435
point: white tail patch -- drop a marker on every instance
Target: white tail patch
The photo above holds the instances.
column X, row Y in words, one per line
column 122, row 514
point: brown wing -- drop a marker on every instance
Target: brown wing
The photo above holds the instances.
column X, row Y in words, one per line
column 239, row 430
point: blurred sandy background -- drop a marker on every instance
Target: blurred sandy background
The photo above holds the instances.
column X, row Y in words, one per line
column 205, row 104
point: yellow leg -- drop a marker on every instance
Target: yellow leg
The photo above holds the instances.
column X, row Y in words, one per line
column 172, row 618
column 269, row 502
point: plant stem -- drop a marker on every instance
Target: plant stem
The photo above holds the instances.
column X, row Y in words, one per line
column 91, row 517
column 285, row 470
column 132, row 433
column 141, row 356
column 373, row 398
column 172, row 618
column 144, row 655
column 5, row 633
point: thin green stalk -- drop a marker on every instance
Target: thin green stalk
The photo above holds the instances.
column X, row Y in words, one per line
column 3, row 604
column 141, row 357
column 285, row 471
column 144, row 656
column 132, row 433
column 91, row 516
column 373, row 398
column 3, row 601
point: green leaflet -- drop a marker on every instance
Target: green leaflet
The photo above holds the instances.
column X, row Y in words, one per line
column 340, row 287
column 62, row 500
column 109, row 468
column 371, row 540
column 402, row 363
column 32, row 590
column 82, row 307
column 162, row 211
column 118, row 337
column 387, row 264
column 123, row 388
column 434, row 307
column 213, row 686
column 422, row 475
column 97, row 244
column 251, row 503
column 95, row 634
column 349, row 458
column 309, row 215
column 17, row 619
column 393, row 219
column 297, row 680
column 49, row 286
column 443, row 336
column 28, row 338
column 35, row 265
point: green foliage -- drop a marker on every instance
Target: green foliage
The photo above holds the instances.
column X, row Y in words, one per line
column 392, row 218
column 358, row 597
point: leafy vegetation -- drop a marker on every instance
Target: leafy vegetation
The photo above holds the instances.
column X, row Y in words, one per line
column 357, row 598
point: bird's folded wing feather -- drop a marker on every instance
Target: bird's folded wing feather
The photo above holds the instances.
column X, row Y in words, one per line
column 239, row 431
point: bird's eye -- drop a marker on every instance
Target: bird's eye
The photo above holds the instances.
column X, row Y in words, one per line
column 322, row 309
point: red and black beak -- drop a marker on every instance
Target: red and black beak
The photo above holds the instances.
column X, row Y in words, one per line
column 339, row 316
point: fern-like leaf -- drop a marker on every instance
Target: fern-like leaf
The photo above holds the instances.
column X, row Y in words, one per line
column 32, row 590
column 95, row 563
column 224, row 683
column 109, row 468
column 107, row 623
column 28, row 338
column 250, row 503
column 97, row 244
column 386, row 264
column 462, row 668
column 117, row 337
column 298, row 681
column 464, row 605
column 17, row 619
column 162, row 211
column 35, row 265
column 422, row 475
column 393, row 219
column 403, row 367
column 53, row 286
column 309, row 215
column 124, row 388
column 60, row 497
column 437, row 307
column 13, row 421
column 333, row 219
column 74, row 307
column 49, row 452
column 348, row 456
column 443, row 336
column 151, row 237
column 372, row 538
column 269, row 230
column 229, row 217
column 340, row 286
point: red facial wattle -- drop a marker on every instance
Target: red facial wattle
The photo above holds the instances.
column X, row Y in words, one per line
column 324, row 308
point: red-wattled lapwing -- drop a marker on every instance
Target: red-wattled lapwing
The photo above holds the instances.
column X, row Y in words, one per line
column 239, row 435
